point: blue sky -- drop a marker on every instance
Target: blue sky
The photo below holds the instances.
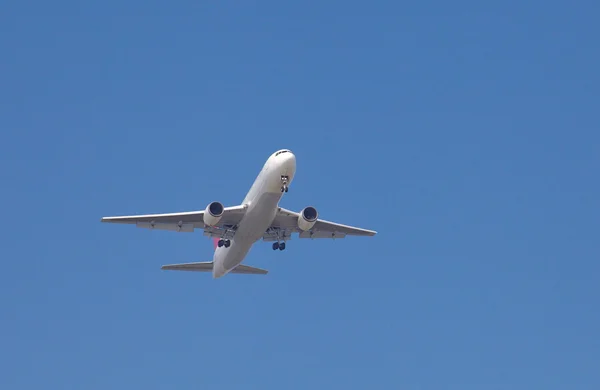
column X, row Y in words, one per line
column 465, row 133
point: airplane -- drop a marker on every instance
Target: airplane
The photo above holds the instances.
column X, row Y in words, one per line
column 236, row 229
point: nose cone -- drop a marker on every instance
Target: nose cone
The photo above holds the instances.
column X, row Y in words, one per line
column 290, row 160
column 288, row 165
column 285, row 161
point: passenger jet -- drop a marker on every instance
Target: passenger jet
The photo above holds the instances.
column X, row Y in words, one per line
column 236, row 228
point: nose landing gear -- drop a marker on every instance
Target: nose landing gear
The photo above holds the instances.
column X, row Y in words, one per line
column 284, row 183
column 225, row 243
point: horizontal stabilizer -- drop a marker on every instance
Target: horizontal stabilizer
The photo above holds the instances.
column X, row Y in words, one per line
column 246, row 269
column 207, row 266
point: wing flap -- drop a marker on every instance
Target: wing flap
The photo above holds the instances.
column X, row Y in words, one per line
column 176, row 227
column 321, row 234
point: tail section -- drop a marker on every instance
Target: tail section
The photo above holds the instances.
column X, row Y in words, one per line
column 207, row 266
column 246, row 269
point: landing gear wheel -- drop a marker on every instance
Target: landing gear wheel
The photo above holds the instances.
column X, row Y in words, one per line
column 220, row 243
column 227, row 243
column 275, row 246
column 282, row 246
column 284, row 183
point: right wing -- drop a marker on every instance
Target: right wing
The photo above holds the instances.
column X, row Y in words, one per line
column 185, row 222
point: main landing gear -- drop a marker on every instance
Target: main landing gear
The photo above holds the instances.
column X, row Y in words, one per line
column 225, row 243
column 278, row 245
column 284, row 185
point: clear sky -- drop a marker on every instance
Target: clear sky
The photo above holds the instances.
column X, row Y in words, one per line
column 466, row 133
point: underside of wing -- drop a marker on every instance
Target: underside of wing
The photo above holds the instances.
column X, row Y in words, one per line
column 287, row 222
column 227, row 218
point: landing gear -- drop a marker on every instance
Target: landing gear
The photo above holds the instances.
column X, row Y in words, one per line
column 278, row 245
column 225, row 243
column 284, row 183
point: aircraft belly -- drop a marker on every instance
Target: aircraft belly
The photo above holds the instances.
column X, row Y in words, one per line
column 258, row 218
column 235, row 254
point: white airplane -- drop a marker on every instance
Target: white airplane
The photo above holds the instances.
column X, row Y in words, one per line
column 235, row 229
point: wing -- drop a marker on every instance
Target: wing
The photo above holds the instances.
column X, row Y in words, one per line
column 185, row 222
column 286, row 223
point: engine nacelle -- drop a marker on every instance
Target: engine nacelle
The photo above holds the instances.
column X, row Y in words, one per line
column 308, row 218
column 213, row 213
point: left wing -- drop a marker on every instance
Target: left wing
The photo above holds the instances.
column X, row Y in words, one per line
column 185, row 222
column 286, row 223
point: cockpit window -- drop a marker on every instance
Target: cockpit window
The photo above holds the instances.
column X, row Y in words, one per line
column 280, row 152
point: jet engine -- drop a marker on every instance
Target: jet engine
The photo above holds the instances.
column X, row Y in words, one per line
column 213, row 213
column 307, row 218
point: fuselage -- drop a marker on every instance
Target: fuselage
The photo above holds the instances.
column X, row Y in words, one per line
column 262, row 202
